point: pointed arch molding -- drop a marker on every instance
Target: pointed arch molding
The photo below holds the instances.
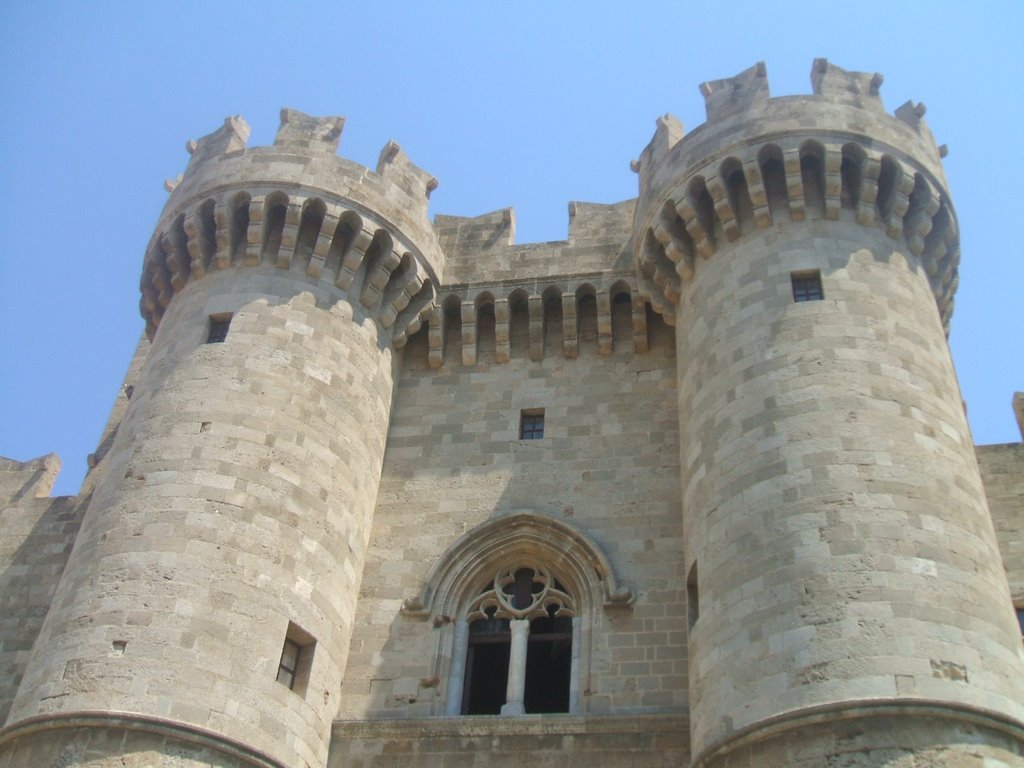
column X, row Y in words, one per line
column 515, row 538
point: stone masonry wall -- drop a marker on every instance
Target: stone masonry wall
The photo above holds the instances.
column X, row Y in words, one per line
column 1002, row 471
column 642, row 741
column 607, row 464
column 36, row 535
column 482, row 249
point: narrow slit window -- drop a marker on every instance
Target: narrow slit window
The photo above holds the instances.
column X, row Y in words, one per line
column 692, row 597
column 296, row 659
column 219, row 325
column 531, row 424
column 807, row 286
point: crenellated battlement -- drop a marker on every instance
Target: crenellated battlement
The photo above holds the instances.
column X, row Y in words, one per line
column 858, row 88
column 297, row 206
column 759, row 161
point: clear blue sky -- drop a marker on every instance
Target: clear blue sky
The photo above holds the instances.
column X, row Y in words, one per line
column 523, row 104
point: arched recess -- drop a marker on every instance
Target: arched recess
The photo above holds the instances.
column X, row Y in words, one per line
column 735, row 181
column 310, row 223
column 505, row 543
column 621, row 296
column 451, row 309
column 586, row 317
column 485, row 327
column 851, row 172
column 346, row 232
column 553, row 328
column 239, row 207
column 275, row 211
column 207, row 232
column 773, row 171
column 812, row 172
column 519, row 323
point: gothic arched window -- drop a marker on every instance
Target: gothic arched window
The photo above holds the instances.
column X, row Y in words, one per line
column 515, row 600
column 519, row 646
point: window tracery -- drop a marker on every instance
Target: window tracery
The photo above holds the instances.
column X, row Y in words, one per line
column 521, row 639
column 527, row 592
column 470, row 597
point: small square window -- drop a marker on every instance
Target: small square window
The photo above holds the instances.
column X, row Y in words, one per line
column 296, row 659
column 219, row 325
column 807, row 286
column 531, row 424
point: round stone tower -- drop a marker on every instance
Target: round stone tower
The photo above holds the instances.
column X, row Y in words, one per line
column 206, row 610
column 846, row 592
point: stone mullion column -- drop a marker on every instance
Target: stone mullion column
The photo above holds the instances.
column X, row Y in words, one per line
column 457, row 673
column 516, row 688
column 574, row 668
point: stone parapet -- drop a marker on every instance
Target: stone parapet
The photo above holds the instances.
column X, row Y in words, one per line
column 760, row 160
column 298, row 206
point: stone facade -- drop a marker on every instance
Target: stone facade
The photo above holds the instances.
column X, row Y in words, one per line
column 704, row 465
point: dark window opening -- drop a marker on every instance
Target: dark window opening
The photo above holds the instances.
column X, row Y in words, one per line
column 622, row 322
column 219, row 325
column 586, row 317
column 239, row 226
column 274, row 230
column 547, row 660
column 807, row 286
column 531, row 425
column 486, row 667
column 293, row 670
column 1020, row 620
column 548, row 665
column 692, row 597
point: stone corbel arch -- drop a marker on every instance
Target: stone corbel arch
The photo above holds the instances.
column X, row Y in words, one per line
column 507, row 540
column 520, row 538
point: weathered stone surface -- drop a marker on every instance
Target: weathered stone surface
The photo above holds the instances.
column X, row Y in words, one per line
column 753, row 524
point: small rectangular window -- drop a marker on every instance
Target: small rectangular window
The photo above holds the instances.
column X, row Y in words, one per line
column 296, row 659
column 219, row 325
column 807, row 286
column 1020, row 620
column 531, row 424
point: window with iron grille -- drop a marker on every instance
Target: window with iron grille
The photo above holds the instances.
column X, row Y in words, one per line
column 531, row 424
column 807, row 286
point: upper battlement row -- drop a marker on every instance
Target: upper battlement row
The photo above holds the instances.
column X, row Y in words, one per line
column 757, row 160
column 741, row 110
column 304, row 156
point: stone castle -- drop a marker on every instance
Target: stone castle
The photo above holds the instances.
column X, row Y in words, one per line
column 693, row 487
